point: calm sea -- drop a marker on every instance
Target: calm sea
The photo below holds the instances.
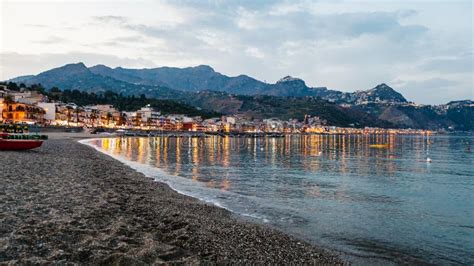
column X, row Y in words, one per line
column 371, row 204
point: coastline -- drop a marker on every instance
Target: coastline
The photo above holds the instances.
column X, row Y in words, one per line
column 67, row 202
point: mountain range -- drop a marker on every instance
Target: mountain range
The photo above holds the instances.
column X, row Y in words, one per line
column 290, row 97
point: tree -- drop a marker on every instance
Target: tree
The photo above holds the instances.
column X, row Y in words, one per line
column 8, row 99
column 55, row 90
column 69, row 114
column 12, row 86
column 77, row 111
column 109, row 116
column 93, row 117
column 122, row 119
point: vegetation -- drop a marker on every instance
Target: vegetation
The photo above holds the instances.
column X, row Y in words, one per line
column 263, row 106
column 463, row 117
column 119, row 101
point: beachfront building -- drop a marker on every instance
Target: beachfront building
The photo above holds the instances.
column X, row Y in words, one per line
column 21, row 112
column 91, row 115
column 149, row 116
column 1, row 108
column 104, row 108
column 67, row 114
column 3, row 91
column 49, row 111
column 166, row 124
column 273, row 125
column 29, row 97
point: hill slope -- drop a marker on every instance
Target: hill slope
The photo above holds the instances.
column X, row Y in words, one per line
column 290, row 97
column 78, row 76
column 170, row 80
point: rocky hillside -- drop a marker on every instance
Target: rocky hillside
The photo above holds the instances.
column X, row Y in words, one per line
column 266, row 106
column 194, row 79
column 290, row 97
column 381, row 93
column 78, row 76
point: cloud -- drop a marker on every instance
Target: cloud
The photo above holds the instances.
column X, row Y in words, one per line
column 110, row 19
column 255, row 52
column 36, row 25
column 428, row 84
column 433, row 90
column 51, row 40
column 463, row 63
column 343, row 45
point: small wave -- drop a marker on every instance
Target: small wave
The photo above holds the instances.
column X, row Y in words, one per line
column 173, row 181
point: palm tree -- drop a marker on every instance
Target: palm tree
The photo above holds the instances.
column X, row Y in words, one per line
column 93, row 117
column 77, row 111
column 109, row 116
column 68, row 115
column 122, row 119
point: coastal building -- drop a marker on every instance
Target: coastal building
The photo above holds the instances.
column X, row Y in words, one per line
column 148, row 115
column 3, row 91
column 21, row 112
column 50, row 111
column 166, row 124
column 29, row 97
column 1, row 108
column 104, row 108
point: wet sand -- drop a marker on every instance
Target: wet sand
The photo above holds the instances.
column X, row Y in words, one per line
column 67, row 203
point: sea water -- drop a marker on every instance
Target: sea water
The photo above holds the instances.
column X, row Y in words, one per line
column 411, row 201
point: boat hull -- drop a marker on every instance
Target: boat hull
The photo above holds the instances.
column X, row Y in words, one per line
column 17, row 145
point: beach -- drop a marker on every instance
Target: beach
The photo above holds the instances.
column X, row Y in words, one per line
column 67, row 203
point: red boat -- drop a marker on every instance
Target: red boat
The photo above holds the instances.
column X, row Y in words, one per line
column 18, row 144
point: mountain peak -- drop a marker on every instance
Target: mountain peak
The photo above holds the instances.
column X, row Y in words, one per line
column 72, row 68
column 383, row 92
column 79, row 65
column 290, row 79
column 383, row 86
column 100, row 66
column 204, row 68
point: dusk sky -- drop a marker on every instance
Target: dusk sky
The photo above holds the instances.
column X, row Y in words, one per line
column 423, row 49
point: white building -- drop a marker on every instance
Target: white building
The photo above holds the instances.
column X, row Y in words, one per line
column 50, row 109
column 107, row 108
column 149, row 114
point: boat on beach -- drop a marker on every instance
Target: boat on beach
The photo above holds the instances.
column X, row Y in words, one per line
column 19, row 142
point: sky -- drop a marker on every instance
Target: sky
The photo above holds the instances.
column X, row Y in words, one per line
column 423, row 49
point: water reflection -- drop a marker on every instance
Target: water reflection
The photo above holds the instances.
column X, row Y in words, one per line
column 342, row 154
column 387, row 192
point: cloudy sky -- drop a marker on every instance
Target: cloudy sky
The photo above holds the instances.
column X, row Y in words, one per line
column 424, row 49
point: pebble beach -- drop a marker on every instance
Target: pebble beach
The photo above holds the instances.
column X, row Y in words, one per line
column 67, row 203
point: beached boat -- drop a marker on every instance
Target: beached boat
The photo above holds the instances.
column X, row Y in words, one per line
column 19, row 144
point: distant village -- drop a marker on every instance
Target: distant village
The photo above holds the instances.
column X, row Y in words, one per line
column 32, row 107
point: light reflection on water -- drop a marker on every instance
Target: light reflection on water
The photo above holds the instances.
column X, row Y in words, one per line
column 336, row 191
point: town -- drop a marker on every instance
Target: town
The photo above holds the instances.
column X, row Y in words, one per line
column 23, row 106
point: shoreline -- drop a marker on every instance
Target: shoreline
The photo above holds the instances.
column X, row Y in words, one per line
column 67, row 202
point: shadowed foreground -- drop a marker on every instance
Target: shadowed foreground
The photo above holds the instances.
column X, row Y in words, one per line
column 65, row 202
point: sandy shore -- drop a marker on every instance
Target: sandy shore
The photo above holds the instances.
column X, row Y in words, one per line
column 66, row 202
